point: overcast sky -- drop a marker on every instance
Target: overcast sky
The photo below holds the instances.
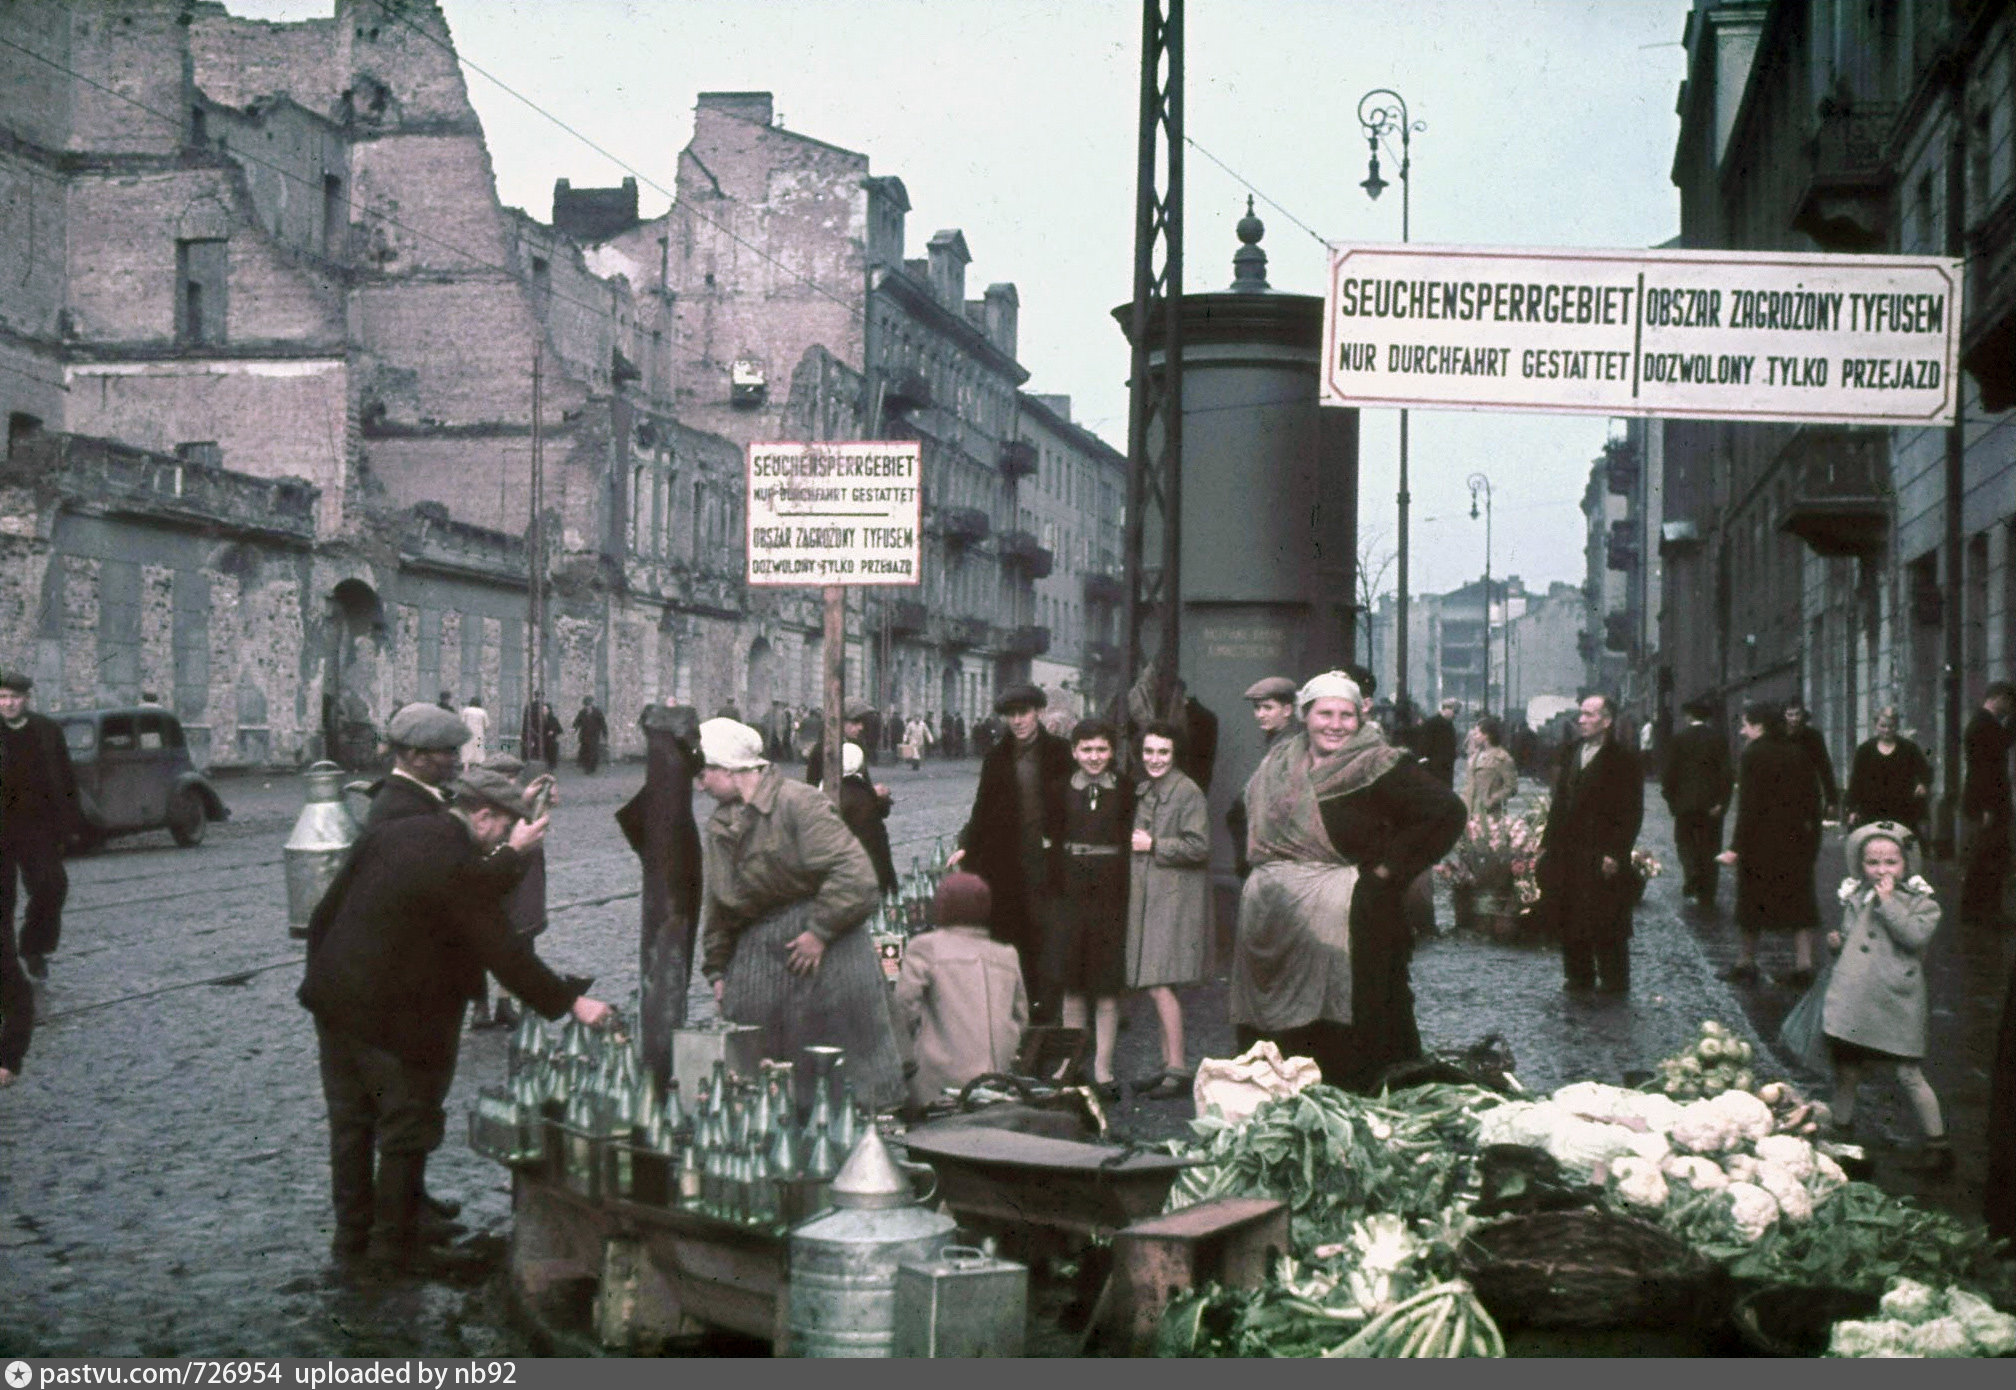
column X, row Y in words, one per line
column 1548, row 123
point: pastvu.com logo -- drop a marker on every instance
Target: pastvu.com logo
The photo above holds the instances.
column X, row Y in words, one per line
column 19, row 1373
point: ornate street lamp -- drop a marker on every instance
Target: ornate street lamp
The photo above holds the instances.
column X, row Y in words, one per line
column 1479, row 483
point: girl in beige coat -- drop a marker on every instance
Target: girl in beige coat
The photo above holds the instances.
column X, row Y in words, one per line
column 1169, row 900
column 960, row 1003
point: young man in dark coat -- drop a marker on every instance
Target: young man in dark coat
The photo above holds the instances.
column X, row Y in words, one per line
column 1434, row 741
column 1696, row 782
column 1018, row 815
column 394, row 952
column 1984, row 805
column 39, row 815
column 1585, row 861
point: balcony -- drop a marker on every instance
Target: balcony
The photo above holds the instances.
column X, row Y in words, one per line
column 1026, row 641
column 964, row 525
column 966, row 633
column 1845, row 205
column 1840, row 504
column 1104, row 588
column 1021, row 549
column 120, row 478
column 906, row 615
column 1621, row 553
column 1679, row 539
column 1620, row 468
column 1018, row 458
column 906, row 389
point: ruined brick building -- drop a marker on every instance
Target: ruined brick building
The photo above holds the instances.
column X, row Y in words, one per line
column 267, row 352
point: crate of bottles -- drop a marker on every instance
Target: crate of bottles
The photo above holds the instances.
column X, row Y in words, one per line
column 637, row 1172
column 577, row 1159
column 501, row 1130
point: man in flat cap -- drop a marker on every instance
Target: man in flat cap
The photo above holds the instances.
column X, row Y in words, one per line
column 1273, row 701
column 394, row 952
column 39, row 816
column 426, row 754
column 855, row 716
column 1018, row 814
column 1696, row 782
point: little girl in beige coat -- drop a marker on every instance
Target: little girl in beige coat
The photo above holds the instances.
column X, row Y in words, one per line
column 960, row 1003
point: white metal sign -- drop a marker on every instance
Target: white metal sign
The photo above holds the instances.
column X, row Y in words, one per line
column 1727, row 335
column 824, row 514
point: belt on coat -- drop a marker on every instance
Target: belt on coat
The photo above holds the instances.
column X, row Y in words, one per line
column 1092, row 850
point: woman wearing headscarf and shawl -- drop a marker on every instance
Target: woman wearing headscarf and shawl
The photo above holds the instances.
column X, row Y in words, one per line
column 1339, row 822
column 788, row 888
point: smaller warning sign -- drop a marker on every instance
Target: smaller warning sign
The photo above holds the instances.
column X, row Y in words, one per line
column 824, row 514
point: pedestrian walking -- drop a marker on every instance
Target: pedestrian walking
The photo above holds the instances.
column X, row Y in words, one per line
column 1890, row 779
column 1803, row 736
column 961, row 1003
column 1340, row 822
column 1875, row 1011
column 1017, row 815
column 39, row 815
column 917, row 740
column 1774, row 844
column 393, row 951
column 950, row 735
column 1434, row 741
column 1984, row 806
column 1696, row 783
column 865, row 806
column 1490, row 777
column 477, row 721
column 788, row 891
column 1169, row 935
column 1085, row 953
column 1585, row 853
column 1273, row 702
column 591, row 733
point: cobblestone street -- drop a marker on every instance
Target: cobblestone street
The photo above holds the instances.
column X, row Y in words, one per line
column 163, row 1183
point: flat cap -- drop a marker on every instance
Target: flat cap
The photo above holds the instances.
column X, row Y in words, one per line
column 1272, row 688
column 16, row 680
column 426, row 728
column 492, row 787
column 856, row 709
column 1023, row 696
column 509, row 764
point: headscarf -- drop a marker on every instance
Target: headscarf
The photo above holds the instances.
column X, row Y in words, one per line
column 1331, row 685
column 852, row 759
column 731, row 744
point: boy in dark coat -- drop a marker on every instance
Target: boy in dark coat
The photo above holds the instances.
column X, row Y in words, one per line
column 1696, row 783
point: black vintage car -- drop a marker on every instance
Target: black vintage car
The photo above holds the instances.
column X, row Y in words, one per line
column 134, row 774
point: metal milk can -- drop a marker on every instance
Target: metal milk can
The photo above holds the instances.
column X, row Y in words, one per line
column 323, row 834
column 843, row 1264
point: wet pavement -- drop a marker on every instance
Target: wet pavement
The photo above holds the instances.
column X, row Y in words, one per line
column 163, row 1183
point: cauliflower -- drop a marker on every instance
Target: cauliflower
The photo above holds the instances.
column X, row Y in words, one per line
column 1596, row 1100
column 1749, row 1117
column 1701, row 1128
column 1794, row 1202
column 1940, row 1337
column 1580, row 1145
column 1994, row 1333
column 1701, row 1174
column 1886, row 1337
column 1639, row 1182
column 1752, row 1210
column 1827, row 1175
column 1519, row 1122
column 1910, row 1301
column 1789, row 1152
column 1741, row 1167
column 1651, row 1145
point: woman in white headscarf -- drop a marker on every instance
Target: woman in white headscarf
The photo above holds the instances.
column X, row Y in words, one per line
column 1338, row 823
column 787, row 890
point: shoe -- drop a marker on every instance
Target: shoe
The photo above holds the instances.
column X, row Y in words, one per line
column 1935, row 1160
column 1107, row 1090
column 1799, row 978
column 1170, row 1085
column 1742, row 973
column 36, row 966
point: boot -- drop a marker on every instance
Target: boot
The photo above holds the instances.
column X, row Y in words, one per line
column 351, row 1186
column 397, row 1243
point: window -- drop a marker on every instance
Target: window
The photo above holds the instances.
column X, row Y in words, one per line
column 335, row 217
column 119, row 734
column 201, row 268
column 151, row 731
column 80, row 735
column 21, row 427
column 204, row 451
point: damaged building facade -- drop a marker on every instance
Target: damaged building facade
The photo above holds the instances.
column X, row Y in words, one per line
column 269, row 351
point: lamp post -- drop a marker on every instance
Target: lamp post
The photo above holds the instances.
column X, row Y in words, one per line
column 1479, row 483
column 1383, row 113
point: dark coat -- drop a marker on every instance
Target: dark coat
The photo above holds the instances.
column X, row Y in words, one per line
column 591, row 727
column 1986, row 760
column 1434, row 741
column 1776, row 838
column 520, row 877
column 38, row 799
column 396, row 798
column 1883, row 786
column 866, row 812
column 1809, row 742
column 401, row 940
column 1595, row 814
column 992, row 837
column 658, row 823
column 1697, row 777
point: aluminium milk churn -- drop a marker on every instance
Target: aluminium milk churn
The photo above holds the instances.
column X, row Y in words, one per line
column 323, row 834
column 843, row 1263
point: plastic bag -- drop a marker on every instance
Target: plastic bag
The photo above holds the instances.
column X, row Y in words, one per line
column 1800, row 1034
column 1238, row 1086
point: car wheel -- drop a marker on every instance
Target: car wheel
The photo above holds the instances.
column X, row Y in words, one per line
column 186, row 820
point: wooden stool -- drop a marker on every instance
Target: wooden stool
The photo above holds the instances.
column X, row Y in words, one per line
column 1231, row 1241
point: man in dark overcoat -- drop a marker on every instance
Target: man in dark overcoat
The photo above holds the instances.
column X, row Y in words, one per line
column 394, row 952
column 1696, row 783
column 39, row 815
column 1800, row 732
column 1018, row 815
column 1434, row 741
column 1585, row 862
column 1984, row 806
column 591, row 732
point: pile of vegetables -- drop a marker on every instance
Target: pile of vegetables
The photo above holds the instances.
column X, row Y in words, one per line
column 1717, row 1061
column 1919, row 1320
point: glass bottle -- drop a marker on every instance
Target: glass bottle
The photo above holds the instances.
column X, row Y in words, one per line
column 621, row 1133
column 718, row 1096
column 690, row 1192
column 846, row 1124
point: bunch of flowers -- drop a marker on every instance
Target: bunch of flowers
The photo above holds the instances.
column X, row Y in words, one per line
column 1646, row 864
column 1497, row 854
